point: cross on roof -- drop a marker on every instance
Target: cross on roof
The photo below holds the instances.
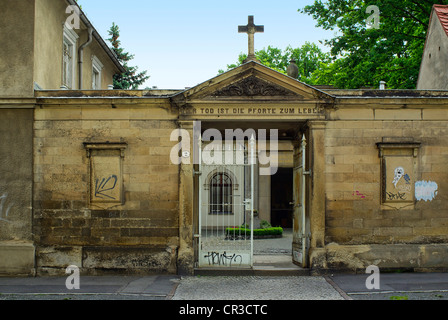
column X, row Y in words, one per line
column 251, row 29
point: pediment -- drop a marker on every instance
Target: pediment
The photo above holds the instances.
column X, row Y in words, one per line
column 254, row 87
column 252, row 82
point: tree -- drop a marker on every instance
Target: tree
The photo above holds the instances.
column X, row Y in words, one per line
column 363, row 56
column 308, row 57
column 130, row 79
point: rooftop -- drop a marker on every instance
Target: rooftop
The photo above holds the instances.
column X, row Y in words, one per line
column 442, row 13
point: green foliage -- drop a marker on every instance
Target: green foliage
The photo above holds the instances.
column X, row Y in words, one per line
column 399, row 298
column 309, row 58
column 265, row 224
column 130, row 79
column 273, row 231
column 363, row 56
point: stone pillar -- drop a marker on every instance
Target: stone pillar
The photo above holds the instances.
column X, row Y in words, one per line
column 185, row 260
column 316, row 158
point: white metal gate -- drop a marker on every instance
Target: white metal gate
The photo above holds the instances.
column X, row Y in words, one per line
column 226, row 208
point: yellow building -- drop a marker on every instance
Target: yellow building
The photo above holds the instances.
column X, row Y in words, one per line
column 51, row 45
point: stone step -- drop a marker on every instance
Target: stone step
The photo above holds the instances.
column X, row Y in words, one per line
column 264, row 265
column 256, row 271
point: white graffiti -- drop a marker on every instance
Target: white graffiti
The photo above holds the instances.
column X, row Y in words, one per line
column 426, row 190
column 4, row 214
column 399, row 172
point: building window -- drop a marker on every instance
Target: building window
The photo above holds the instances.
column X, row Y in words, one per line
column 221, row 194
column 68, row 58
column 97, row 66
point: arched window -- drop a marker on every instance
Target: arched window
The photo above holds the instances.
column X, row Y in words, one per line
column 220, row 199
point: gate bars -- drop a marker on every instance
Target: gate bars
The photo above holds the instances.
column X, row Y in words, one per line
column 226, row 205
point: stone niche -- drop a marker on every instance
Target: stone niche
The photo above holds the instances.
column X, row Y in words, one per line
column 398, row 172
column 106, row 174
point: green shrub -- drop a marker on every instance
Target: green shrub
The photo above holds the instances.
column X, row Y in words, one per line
column 398, row 298
column 272, row 231
column 264, row 224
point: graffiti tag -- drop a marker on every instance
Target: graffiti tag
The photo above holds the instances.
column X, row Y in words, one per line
column 425, row 190
column 222, row 259
column 104, row 186
column 396, row 196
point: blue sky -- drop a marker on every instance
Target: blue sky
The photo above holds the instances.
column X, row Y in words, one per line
column 184, row 43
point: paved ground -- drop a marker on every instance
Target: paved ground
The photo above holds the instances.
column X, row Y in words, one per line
column 272, row 255
column 393, row 286
column 274, row 246
column 255, row 288
column 91, row 288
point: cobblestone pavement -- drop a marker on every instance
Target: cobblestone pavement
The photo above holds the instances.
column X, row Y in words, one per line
column 255, row 288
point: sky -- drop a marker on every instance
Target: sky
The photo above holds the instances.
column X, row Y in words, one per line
column 184, row 43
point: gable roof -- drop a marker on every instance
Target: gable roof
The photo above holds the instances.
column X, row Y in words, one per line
column 251, row 81
column 442, row 13
column 426, row 78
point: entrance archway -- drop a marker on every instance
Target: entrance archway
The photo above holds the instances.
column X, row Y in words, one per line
column 273, row 194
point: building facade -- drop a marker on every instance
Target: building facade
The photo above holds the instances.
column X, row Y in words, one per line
column 117, row 181
column 46, row 47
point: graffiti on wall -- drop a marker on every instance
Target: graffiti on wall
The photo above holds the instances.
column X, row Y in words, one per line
column 4, row 211
column 104, row 187
column 402, row 187
column 106, row 178
column 426, row 190
column 223, row 259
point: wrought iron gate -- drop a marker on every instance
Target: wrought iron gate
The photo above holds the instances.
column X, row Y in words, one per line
column 226, row 208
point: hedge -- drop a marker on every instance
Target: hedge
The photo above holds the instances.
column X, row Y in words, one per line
column 273, row 231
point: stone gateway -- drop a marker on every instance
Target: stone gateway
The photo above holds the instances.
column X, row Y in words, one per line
column 87, row 177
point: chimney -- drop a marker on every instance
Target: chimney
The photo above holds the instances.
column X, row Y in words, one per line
column 382, row 85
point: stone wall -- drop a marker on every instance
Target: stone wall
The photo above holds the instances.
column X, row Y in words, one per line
column 138, row 234
column 16, row 171
column 354, row 210
column 361, row 228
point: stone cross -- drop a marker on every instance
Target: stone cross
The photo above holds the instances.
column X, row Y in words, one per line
column 251, row 29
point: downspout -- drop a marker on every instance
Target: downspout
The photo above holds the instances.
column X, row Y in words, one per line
column 81, row 56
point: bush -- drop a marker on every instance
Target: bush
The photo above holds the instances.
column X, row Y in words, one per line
column 272, row 231
column 264, row 224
